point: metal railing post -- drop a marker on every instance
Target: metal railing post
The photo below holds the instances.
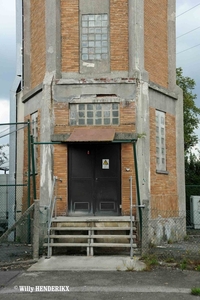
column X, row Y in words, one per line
column 29, row 181
column 51, row 208
column 33, row 167
column 131, row 217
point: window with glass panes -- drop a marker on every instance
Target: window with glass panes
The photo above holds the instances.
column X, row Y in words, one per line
column 160, row 141
column 94, row 114
column 34, row 132
column 94, row 37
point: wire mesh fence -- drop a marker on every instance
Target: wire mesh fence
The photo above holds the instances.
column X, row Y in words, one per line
column 18, row 244
column 15, row 194
column 166, row 235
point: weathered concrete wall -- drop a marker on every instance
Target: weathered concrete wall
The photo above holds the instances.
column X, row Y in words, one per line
column 167, row 230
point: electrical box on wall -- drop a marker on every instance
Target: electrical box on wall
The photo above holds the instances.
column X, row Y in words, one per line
column 195, row 211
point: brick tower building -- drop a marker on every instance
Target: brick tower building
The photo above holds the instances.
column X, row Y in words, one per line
column 99, row 78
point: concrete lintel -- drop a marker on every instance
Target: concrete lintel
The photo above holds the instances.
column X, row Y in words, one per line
column 125, row 136
column 113, row 74
column 90, row 81
column 119, row 136
column 94, row 99
column 60, row 137
column 162, row 90
column 32, row 93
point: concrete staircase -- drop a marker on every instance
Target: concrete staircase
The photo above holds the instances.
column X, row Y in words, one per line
column 91, row 233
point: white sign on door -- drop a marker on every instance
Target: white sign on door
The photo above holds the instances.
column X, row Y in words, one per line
column 105, row 163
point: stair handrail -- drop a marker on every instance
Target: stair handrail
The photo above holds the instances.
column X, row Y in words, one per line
column 51, row 207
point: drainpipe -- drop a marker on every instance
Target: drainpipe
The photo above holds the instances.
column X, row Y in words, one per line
column 137, row 187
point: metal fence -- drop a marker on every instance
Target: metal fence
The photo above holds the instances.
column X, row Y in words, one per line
column 16, row 194
column 165, row 234
column 16, row 239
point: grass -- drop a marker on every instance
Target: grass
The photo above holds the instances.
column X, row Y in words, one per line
column 150, row 261
column 195, row 291
column 183, row 264
column 197, row 268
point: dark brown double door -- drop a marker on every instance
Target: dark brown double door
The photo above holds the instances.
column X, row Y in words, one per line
column 94, row 179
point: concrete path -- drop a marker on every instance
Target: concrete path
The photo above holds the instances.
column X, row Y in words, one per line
column 100, row 285
column 88, row 263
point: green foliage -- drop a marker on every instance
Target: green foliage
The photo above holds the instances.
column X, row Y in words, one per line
column 192, row 169
column 191, row 111
column 183, row 264
column 195, row 291
column 198, row 268
column 150, row 261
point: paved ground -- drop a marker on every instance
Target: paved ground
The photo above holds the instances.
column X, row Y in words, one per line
column 161, row 283
column 88, row 263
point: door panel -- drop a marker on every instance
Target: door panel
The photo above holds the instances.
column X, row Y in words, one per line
column 94, row 187
column 107, row 181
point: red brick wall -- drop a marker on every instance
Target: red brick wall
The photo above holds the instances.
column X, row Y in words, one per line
column 61, row 171
column 38, row 42
column 70, row 35
column 156, row 40
column 164, row 196
column 119, row 35
column 127, row 117
column 127, row 161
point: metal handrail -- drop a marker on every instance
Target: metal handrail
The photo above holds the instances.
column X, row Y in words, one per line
column 51, row 208
column 131, row 215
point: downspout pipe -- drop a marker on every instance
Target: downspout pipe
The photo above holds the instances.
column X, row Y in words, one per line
column 137, row 187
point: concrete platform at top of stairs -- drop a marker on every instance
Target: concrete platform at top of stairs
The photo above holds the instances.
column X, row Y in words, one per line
column 88, row 263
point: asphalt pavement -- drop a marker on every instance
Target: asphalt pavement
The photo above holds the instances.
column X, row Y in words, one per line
column 160, row 283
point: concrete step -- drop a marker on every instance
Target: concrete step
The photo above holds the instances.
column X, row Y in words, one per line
column 91, row 228
column 92, row 233
column 67, row 244
column 116, row 245
column 93, row 236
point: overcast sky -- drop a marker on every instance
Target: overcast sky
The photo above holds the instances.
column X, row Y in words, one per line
column 189, row 60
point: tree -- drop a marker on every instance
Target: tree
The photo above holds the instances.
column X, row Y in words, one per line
column 3, row 156
column 190, row 110
column 192, row 168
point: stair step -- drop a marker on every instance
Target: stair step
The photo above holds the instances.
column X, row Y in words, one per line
column 95, row 236
column 91, row 228
column 112, row 245
column 67, row 244
column 118, row 245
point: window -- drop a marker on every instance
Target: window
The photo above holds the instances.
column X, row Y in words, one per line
column 94, row 114
column 34, row 133
column 94, row 37
column 160, row 141
column 94, row 24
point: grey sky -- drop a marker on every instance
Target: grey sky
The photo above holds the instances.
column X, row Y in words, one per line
column 188, row 60
column 7, row 55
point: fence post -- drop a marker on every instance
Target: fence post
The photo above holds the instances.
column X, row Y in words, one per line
column 36, row 229
column 145, row 227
